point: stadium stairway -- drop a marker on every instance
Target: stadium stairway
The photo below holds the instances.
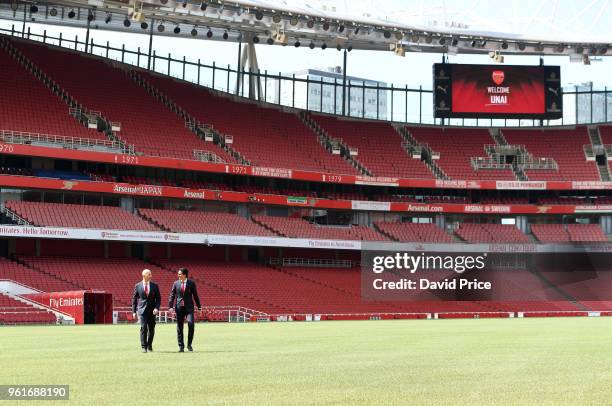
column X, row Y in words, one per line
column 604, row 135
column 384, row 232
column 267, row 226
column 13, row 216
column 500, row 141
column 599, row 153
column 14, row 300
column 498, row 137
column 330, row 144
column 427, row 155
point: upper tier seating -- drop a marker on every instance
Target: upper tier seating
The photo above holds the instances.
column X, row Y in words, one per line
column 379, row 147
column 456, row 148
column 27, row 105
column 564, row 146
column 145, row 122
column 265, row 136
column 605, row 132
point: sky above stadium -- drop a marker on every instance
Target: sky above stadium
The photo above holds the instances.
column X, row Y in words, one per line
column 526, row 17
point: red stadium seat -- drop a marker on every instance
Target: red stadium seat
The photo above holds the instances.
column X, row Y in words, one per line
column 298, row 228
column 78, row 216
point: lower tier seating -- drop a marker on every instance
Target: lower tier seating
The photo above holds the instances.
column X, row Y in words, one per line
column 115, row 275
column 13, row 311
column 282, row 290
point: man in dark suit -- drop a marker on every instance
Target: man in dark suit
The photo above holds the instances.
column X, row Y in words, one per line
column 145, row 304
column 185, row 292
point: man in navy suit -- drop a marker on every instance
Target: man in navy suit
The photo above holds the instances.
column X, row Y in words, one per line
column 145, row 304
column 186, row 294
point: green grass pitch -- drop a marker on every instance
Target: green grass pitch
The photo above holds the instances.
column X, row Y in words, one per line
column 516, row 361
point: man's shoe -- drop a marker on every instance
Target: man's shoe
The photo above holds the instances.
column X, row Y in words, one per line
column 144, row 350
column 150, row 348
column 190, row 348
column 181, row 350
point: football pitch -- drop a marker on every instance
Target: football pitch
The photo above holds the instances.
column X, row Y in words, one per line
column 516, row 361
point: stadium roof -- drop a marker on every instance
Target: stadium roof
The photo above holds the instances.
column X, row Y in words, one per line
column 557, row 27
column 571, row 21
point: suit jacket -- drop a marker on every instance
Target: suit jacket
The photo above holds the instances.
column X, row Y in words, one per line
column 187, row 299
column 142, row 302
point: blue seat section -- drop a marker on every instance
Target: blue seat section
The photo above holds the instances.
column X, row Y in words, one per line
column 68, row 175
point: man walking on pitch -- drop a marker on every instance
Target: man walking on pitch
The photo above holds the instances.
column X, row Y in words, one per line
column 185, row 292
column 145, row 304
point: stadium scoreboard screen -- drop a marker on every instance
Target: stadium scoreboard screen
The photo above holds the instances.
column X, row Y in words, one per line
column 493, row 91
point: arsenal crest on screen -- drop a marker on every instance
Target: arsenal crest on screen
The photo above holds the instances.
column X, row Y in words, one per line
column 498, row 77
